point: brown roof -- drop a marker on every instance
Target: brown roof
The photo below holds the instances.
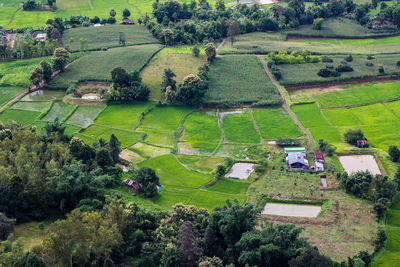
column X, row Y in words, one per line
column 318, row 154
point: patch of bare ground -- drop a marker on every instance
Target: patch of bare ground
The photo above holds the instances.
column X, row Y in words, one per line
column 311, row 91
column 130, row 156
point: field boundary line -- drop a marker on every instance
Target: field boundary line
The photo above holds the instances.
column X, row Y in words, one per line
column 70, row 114
column 285, row 103
column 323, row 114
column 13, row 17
column 12, row 100
column 90, row 4
column 187, row 167
column 221, row 130
column 255, row 124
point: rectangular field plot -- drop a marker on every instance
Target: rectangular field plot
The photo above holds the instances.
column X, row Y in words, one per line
column 172, row 195
column 202, row 127
column 8, row 92
column 210, row 200
column 149, row 151
column 157, row 136
column 275, row 123
column 31, row 106
column 98, row 65
column 330, row 134
column 383, row 135
column 24, row 117
column 167, row 117
column 355, row 163
column 196, row 148
column 203, row 163
column 291, row 210
column 59, row 110
column 229, row 186
column 107, row 36
column 85, row 115
column 374, row 114
column 44, row 95
column 242, row 151
column 171, row 172
column 340, row 117
column 33, row 19
column 239, row 128
column 393, row 107
column 124, row 117
column 124, row 137
column 309, row 115
column 69, row 130
column 239, row 79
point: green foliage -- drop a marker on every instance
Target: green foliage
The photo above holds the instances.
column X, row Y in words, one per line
column 191, row 90
column 317, row 24
column 294, row 57
column 195, row 51
column 357, row 184
column 352, row 136
column 394, row 153
column 211, row 52
column 148, row 181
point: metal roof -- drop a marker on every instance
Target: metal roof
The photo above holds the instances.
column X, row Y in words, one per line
column 295, row 150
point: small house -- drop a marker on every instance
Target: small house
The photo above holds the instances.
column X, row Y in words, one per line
column 318, row 156
column 362, row 143
column 297, row 161
column 128, row 22
column 132, row 184
column 4, row 40
column 319, row 167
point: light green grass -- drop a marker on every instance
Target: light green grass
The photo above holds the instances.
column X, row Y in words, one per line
column 229, row 186
column 97, row 66
column 157, row 136
column 275, row 123
column 8, row 92
column 374, row 114
column 107, row 36
column 171, row 195
column 85, row 115
column 202, row 126
column 201, row 163
column 310, row 115
column 124, row 117
column 149, row 151
column 239, row 79
column 171, row 172
column 31, row 106
column 125, row 137
column 340, row 117
column 33, row 19
column 6, row 12
column 59, row 110
column 239, row 128
column 210, row 200
column 167, row 117
column 24, row 117
column 329, row 134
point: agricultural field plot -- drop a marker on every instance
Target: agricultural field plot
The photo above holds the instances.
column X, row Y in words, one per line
column 239, row 128
column 368, row 41
column 16, row 73
column 69, row 130
column 125, row 137
column 149, row 151
column 33, row 19
column 171, row 172
column 98, row 65
column 211, row 199
column 172, row 195
column 24, row 117
column 157, row 137
column 178, row 60
column 6, row 13
column 85, row 115
column 374, row 114
column 309, row 70
column 167, row 117
column 125, row 117
column 107, row 36
column 31, row 106
column 242, row 151
column 341, row 117
column 310, row 115
column 59, row 110
column 229, row 186
column 44, row 95
column 351, row 94
column 239, row 79
column 8, row 92
column 329, row 134
column 275, row 123
column 201, row 163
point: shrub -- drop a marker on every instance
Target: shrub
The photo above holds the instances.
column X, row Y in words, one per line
column 220, row 170
column 398, row 63
column 344, row 68
column 287, row 142
column 196, row 51
column 370, row 57
column 326, row 59
column 352, row 136
column 317, row 23
column 394, row 153
column 381, row 69
column 295, row 57
column 369, row 64
column 349, row 58
column 325, row 73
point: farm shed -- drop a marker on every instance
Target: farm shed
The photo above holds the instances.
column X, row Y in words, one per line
column 297, row 161
column 289, row 150
column 132, row 184
column 128, row 22
column 362, row 143
column 318, row 156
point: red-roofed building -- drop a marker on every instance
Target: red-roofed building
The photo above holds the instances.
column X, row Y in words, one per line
column 128, row 22
column 362, row 143
column 318, row 156
column 132, row 184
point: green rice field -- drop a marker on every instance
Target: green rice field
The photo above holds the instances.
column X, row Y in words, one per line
column 59, row 110
column 167, row 117
column 239, row 128
column 31, row 106
column 8, row 92
column 85, row 115
column 24, row 117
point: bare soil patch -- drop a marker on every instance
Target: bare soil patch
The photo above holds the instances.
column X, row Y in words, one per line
column 291, row 210
column 355, row 163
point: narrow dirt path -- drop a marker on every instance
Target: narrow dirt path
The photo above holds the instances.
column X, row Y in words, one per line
column 222, row 138
column 285, row 103
column 256, row 125
column 13, row 17
column 12, row 100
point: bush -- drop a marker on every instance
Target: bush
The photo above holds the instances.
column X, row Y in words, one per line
column 369, row 64
column 317, row 23
column 398, row 63
column 326, row 59
column 220, row 170
column 111, row 20
column 295, row 57
column 344, row 68
column 196, row 51
column 287, row 142
column 325, row 73
column 370, row 57
column 394, row 153
column 349, row 58
column 352, row 136
column 381, row 69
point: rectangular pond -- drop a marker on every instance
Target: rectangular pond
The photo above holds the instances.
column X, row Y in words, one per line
column 356, row 163
column 240, row 170
column 292, row 210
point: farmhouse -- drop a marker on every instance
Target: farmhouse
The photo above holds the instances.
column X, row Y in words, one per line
column 128, row 22
column 297, row 161
column 318, row 156
column 132, row 184
column 362, row 143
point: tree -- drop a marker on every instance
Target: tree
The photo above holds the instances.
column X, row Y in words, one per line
column 60, row 58
column 113, row 13
column 103, row 158
column 126, row 13
column 168, row 36
column 6, row 226
column 211, row 52
column 233, row 29
column 111, row 20
column 122, row 38
column 380, row 239
column 29, row 260
column 195, row 51
column 317, row 23
column 30, row 5
column 47, row 71
column 114, row 147
column 148, row 181
column 15, row 185
column 352, row 136
column 36, row 76
column 187, row 244
column 394, row 153
column 191, row 90
column 119, row 77
column 310, row 257
column 396, row 15
column 168, row 80
column 81, row 151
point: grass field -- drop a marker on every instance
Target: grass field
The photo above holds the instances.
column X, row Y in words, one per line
column 210, row 199
column 6, row 12
column 107, row 36
column 309, row 70
column 98, row 65
column 310, row 115
column 368, row 41
column 59, row 110
column 229, row 186
column 8, row 92
column 275, row 123
column 148, row 151
column 352, row 94
column 85, row 115
column 24, row 117
column 239, row 79
column 124, row 117
column 33, row 19
column 171, row 172
column 125, row 137
column 158, row 137
column 177, row 59
column 31, row 106
column 167, row 117
column 239, row 128
column 341, row 117
column 201, row 163
column 374, row 114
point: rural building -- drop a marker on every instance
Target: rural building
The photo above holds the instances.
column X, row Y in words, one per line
column 4, row 40
column 318, row 156
column 297, row 161
column 289, row 150
column 128, row 22
column 362, row 143
column 319, row 166
column 132, row 184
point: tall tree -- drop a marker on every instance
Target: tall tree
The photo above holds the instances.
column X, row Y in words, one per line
column 310, row 257
column 47, row 71
column 36, row 76
column 148, row 181
column 126, row 13
column 187, row 244
column 233, row 29
column 191, row 90
column 211, row 52
column 6, row 226
column 168, row 80
column 113, row 13
column 114, row 147
column 60, row 58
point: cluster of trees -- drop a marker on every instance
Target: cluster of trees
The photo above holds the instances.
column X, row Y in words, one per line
column 294, row 57
column 51, row 171
column 385, row 14
column 325, row 147
column 54, row 28
column 27, row 48
column 330, row 71
column 85, row 21
column 32, row 4
column 352, row 136
column 190, row 91
column 44, row 71
column 127, row 87
column 185, row 236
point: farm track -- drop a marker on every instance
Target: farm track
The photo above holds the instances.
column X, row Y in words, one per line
column 12, row 100
column 256, row 125
column 286, row 106
column 222, row 138
column 13, row 17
